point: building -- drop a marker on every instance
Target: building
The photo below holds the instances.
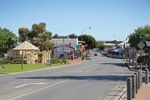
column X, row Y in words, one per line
column 64, row 47
column 61, row 41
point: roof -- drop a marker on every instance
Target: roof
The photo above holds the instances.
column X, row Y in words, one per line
column 64, row 45
column 25, row 46
column 109, row 44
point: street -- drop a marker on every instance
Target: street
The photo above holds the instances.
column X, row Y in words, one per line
column 94, row 79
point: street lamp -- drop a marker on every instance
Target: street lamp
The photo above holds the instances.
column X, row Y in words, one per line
column 118, row 40
column 83, row 30
column 117, row 36
column 82, row 39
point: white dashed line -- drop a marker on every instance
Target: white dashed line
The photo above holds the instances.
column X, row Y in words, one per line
column 38, row 90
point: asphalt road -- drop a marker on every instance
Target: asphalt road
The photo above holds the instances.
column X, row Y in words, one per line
column 94, row 79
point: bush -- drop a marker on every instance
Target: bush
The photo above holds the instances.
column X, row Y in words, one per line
column 59, row 61
column 12, row 60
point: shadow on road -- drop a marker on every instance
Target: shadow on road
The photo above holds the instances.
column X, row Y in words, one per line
column 116, row 64
column 98, row 78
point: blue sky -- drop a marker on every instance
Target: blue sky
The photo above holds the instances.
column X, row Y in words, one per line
column 63, row 17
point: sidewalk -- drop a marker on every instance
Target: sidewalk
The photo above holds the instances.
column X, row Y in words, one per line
column 144, row 91
column 76, row 61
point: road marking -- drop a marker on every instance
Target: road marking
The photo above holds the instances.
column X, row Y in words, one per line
column 1, row 74
column 30, row 84
column 116, row 86
column 112, row 95
column 121, row 94
column 85, row 67
column 75, row 71
column 88, row 71
column 39, row 90
column 11, row 82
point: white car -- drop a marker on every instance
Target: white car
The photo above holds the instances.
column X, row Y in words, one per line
column 88, row 57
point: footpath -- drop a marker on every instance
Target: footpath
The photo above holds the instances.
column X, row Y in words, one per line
column 144, row 91
column 76, row 61
column 120, row 93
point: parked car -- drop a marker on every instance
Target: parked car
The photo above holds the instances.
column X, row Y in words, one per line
column 95, row 54
column 88, row 57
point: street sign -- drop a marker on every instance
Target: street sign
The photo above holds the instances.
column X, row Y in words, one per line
column 132, row 50
column 147, row 43
column 141, row 45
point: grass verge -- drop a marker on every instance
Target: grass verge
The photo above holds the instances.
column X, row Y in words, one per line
column 13, row 68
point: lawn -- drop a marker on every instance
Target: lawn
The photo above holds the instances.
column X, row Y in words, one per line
column 12, row 68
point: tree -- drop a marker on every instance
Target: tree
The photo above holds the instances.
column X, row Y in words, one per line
column 23, row 34
column 37, row 36
column 88, row 40
column 38, row 29
column 72, row 36
column 100, row 45
column 139, row 34
column 7, row 40
column 56, row 36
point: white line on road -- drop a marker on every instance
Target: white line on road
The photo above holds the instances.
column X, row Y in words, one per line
column 89, row 71
column 75, row 69
column 1, row 74
column 30, row 84
column 116, row 86
column 38, row 90
column 11, row 82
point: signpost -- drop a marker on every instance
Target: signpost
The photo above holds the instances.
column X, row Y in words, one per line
column 148, row 46
column 132, row 54
column 141, row 45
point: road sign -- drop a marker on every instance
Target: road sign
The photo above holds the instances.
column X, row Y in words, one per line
column 147, row 43
column 141, row 45
column 132, row 50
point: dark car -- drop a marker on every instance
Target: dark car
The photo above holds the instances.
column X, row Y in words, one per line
column 95, row 54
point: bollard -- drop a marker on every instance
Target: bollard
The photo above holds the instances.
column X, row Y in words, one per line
column 133, row 86
column 141, row 66
column 129, row 88
column 139, row 81
column 141, row 77
column 145, row 66
column 136, row 66
column 136, row 82
column 146, row 76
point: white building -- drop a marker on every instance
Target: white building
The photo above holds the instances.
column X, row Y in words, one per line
column 61, row 41
column 61, row 46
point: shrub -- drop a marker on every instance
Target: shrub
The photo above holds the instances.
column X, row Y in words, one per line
column 58, row 61
column 12, row 60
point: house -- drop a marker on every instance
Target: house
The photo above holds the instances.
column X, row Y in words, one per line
column 61, row 41
column 62, row 51
column 64, row 47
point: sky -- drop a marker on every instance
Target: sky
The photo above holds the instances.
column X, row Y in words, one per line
column 108, row 19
